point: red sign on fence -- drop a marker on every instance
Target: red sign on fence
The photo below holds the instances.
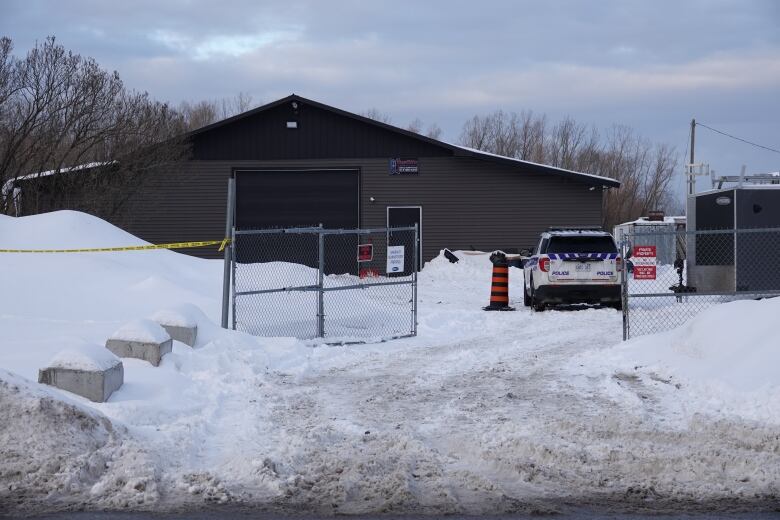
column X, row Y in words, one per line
column 645, row 252
column 643, row 258
column 368, row 272
column 644, row 272
column 365, row 252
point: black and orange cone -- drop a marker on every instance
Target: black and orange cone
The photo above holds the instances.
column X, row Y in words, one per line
column 499, row 287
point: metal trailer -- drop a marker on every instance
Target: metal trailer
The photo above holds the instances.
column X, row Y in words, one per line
column 731, row 261
column 659, row 233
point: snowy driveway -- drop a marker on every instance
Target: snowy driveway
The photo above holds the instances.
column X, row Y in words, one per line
column 497, row 424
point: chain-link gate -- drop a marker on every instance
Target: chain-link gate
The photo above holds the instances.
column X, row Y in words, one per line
column 354, row 285
column 672, row 276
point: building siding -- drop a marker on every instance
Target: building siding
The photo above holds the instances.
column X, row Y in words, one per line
column 321, row 134
column 467, row 203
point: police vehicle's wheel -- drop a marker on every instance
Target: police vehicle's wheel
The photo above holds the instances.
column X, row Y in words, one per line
column 537, row 305
column 526, row 297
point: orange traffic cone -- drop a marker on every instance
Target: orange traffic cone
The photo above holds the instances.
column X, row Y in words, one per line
column 499, row 287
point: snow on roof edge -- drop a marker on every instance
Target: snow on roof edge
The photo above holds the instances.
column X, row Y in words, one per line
column 10, row 182
column 643, row 221
column 522, row 161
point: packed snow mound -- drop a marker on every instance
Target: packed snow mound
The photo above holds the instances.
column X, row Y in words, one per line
column 62, row 230
column 56, row 450
column 86, row 356
column 143, row 331
column 722, row 362
column 734, row 343
column 107, row 288
column 183, row 316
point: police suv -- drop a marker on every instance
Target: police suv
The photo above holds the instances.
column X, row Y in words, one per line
column 573, row 265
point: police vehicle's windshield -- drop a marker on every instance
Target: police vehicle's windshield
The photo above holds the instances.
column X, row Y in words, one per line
column 581, row 244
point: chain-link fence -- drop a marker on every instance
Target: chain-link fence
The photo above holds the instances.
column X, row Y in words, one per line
column 342, row 285
column 708, row 268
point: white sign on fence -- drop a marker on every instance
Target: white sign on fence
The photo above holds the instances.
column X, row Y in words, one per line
column 395, row 259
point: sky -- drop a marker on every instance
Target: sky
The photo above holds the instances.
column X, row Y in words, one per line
column 651, row 65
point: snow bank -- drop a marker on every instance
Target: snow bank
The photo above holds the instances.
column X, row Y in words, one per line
column 66, row 301
column 56, row 451
column 60, row 300
column 724, row 360
column 143, row 330
column 62, row 230
column 735, row 343
column 86, row 356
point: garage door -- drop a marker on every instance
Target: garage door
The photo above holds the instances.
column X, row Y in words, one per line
column 278, row 199
column 285, row 199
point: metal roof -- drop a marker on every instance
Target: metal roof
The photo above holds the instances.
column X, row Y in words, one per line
column 457, row 150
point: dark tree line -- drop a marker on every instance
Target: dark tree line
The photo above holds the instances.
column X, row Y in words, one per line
column 644, row 169
column 73, row 135
column 59, row 110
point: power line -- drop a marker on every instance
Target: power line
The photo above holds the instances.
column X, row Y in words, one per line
column 739, row 138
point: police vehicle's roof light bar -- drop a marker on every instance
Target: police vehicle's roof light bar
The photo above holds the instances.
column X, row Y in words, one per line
column 575, row 228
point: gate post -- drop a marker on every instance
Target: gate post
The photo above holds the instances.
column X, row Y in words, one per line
column 228, row 249
column 233, row 270
column 416, row 263
column 625, row 245
column 321, row 285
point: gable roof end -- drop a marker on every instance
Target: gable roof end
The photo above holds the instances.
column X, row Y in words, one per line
column 457, row 150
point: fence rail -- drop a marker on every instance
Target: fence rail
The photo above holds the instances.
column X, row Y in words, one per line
column 710, row 267
column 343, row 285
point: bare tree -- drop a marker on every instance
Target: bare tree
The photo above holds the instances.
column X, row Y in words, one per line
column 199, row 114
column 7, row 66
column 376, row 115
column 60, row 111
column 565, row 142
column 205, row 112
column 497, row 133
column 645, row 171
column 415, row 126
column 238, row 104
column 479, row 133
column 531, row 137
column 433, row 131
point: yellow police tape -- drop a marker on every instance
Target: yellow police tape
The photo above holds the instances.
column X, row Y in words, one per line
column 176, row 245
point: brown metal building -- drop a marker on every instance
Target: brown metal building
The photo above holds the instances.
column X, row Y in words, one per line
column 299, row 162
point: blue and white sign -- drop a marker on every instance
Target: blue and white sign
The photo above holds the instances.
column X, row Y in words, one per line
column 404, row 167
column 395, row 259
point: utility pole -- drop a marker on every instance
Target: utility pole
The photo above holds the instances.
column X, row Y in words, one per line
column 691, row 177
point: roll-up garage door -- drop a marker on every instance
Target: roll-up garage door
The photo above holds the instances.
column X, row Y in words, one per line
column 300, row 198
column 283, row 198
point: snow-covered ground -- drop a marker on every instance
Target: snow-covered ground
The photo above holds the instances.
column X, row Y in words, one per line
column 482, row 412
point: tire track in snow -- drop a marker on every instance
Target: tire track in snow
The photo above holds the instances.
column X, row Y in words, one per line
column 504, row 429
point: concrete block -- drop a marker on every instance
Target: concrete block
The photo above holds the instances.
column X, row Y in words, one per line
column 182, row 333
column 147, row 350
column 94, row 384
column 181, row 323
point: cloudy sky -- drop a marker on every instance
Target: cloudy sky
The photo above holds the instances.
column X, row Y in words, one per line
column 652, row 65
